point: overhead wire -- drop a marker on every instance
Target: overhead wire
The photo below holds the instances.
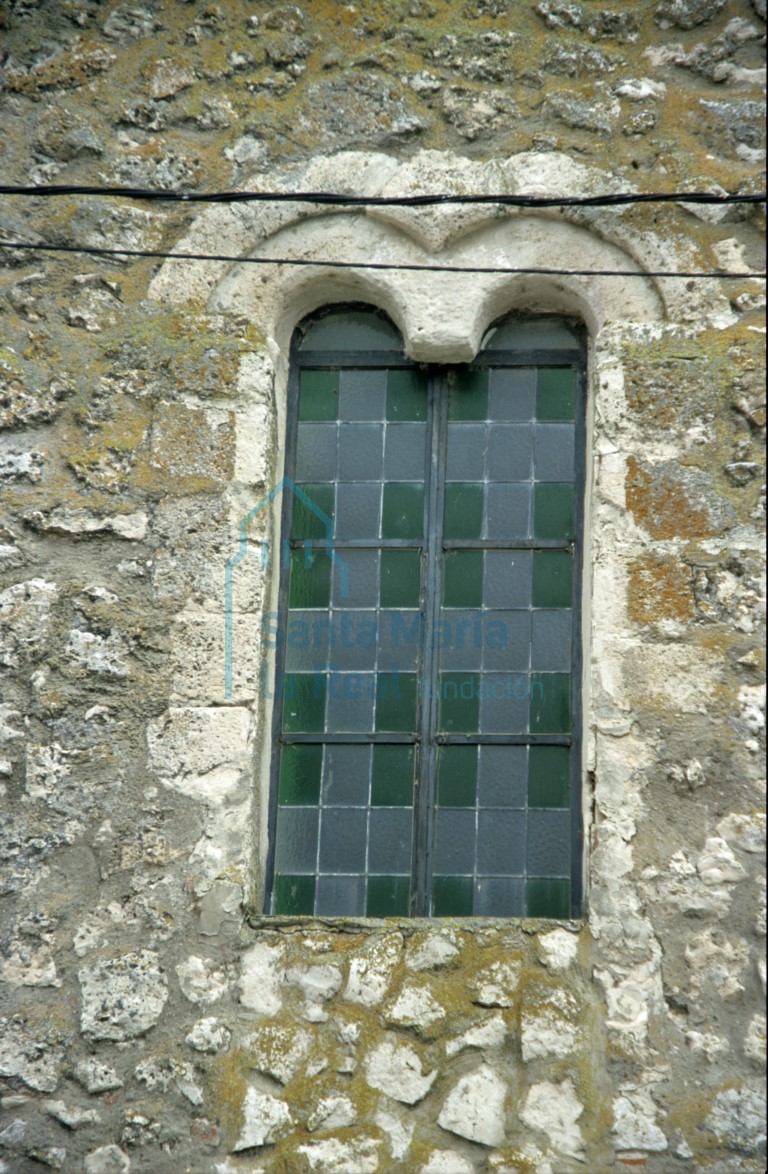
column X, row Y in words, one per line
column 341, row 200
column 611, row 199
column 411, row 267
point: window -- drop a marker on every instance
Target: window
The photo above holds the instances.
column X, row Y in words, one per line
column 427, row 716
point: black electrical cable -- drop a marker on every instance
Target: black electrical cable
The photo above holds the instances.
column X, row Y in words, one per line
column 337, row 198
column 414, row 268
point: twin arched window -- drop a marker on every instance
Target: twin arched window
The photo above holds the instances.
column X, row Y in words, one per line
column 427, row 714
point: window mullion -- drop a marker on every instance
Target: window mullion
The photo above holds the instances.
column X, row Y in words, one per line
column 435, row 494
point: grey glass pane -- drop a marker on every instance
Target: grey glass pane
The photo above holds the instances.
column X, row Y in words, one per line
column 358, row 511
column 346, row 775
column 461, row 636
column 307, row 641
column 501, row 842
column 499, row 896
column 389, row 840
column 361, row 452
column 350, row 702
column 342, row 840
column 509, row 511
column 400, row 635
column 352, row 330
column 362, row 395
column 504, row 703
column 466, row 452
column 506, row 640
column 296, row 849
column 555, row 445
column 316, row 452
column 340, row 896
column 405, row 454
column 510, row 452
column 454, row 852
column 354, row 639
column 502, row 776
column 507, row 578
column 512, row 393
column 549, row 843
column 527, row 334
column 551, row 644
column 355, row 578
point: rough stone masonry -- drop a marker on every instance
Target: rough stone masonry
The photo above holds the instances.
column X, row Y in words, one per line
column 152, row 1018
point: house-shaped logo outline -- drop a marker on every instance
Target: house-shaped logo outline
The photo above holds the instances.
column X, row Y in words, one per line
column 287, row 483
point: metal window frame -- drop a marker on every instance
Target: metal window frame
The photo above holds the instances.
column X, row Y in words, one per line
column 428, row 738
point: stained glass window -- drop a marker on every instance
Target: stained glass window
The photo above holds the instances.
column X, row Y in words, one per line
column 427, row 718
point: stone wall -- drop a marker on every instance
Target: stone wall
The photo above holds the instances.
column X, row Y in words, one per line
column 152, row 1019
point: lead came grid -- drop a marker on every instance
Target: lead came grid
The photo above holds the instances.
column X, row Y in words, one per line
column 501, row 827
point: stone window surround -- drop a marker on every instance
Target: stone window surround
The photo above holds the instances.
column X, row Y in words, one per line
column 442, row 319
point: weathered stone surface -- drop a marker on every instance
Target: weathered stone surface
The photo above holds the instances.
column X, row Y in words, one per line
column 32, row 1059
column 107, row 1159
column 144, row 411
column 71, row 1115
column 342, row 1157
column 634, row 1123
column 555, row 1110
column 208, row 1035
column 260, row 979
column 396, row 1069
column 122, row 998
column 548, row 1023
column 737, row 1118
column 278, row 1051
column 332, row 1113
column 497, row 985
column 475, row 1108
column 96, row 1077
column 447, row 1162
column 265, row 1120
column 686, row 14
column 416, row 1007
column 370, row 974
column 491, row 1033
column 201, row 980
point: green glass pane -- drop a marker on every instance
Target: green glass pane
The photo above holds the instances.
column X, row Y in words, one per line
column 548, row 897
column 459, row 703
column 388, row 896
column 552, row 578
column 403, row 511
column 318, row 395
column 468, row 394
column 549, row 776
column 464, row 503
column 352, row 330
column 396, row 702
column 406, row 395
column 310, row 579
column 452, row 896
column 400, row 582
column 552, row 510
column 555, row 393
column 304, row 702
column 312, row 511
column 550, row 703
column 392, row 777
column 463, row 579
column 294, row 895
column 457, row 776
column 300, row 769
column 529, row 334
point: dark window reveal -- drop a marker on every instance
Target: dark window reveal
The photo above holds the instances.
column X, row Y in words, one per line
column 427, row 720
